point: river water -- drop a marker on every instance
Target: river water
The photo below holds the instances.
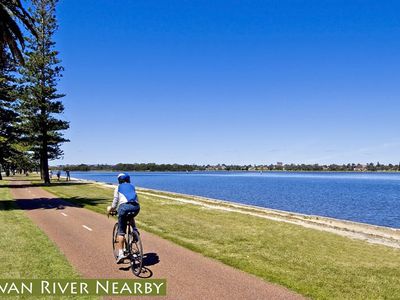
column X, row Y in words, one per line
column 372, row 198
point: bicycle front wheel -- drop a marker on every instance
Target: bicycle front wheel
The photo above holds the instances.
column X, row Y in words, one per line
column 115, row 241
column 136, row 251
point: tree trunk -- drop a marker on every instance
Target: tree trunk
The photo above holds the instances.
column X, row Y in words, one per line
column 46, row 177
column 1, row 177
column 45, row 160
column 41, row 165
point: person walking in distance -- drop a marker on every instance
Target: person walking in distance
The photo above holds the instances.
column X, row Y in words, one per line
column 68, row 175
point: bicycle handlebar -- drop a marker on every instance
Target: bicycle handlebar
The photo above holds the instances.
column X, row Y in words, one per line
column 112, row 213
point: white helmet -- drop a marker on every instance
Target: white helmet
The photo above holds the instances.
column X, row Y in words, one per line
column 122, row 177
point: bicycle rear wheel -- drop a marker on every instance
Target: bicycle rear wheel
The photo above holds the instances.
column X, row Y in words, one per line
column 136, row 251
column 115, row 241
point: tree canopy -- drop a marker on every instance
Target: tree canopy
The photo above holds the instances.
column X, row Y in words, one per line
column 11, row 36
column 30, row 129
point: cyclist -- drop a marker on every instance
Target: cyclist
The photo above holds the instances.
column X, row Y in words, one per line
column 125, row 201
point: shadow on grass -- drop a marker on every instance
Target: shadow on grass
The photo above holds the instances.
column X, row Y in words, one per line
column 27, row 178
column 84, row 201
column 19, row 186
column 49, row 203
column 6, row 205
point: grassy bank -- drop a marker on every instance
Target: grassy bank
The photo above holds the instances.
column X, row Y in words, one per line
column 314, row 263
column 25, row 251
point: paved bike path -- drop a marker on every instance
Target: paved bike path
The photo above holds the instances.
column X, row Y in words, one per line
column 85, row 239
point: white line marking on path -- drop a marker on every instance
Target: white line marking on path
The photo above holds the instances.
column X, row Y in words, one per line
column 88, row 228
column 65, row 215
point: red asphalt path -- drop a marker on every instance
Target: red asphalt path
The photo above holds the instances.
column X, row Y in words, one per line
column 85, row 239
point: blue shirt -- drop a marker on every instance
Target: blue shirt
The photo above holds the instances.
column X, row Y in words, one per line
column 124, row 192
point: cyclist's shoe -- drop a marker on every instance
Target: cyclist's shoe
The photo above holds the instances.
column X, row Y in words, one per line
column 121, row 258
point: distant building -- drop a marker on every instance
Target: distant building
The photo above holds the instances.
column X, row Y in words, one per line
column 360, row 168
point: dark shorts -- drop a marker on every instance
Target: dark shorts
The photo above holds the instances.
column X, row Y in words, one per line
column 123, row 211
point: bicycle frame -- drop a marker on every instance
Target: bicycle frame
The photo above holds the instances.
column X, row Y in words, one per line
column 133, row 245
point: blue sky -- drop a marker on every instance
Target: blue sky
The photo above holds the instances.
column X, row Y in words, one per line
column 246, row 82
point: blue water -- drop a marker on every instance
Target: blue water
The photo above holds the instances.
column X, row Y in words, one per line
column 372, row 198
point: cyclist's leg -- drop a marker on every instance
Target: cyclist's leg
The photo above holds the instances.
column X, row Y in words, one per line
column 121, row 242
column 121, row 226
column 123, row 210
column 136, row 210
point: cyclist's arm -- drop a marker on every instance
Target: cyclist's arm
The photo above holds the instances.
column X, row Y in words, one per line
column 116, row 199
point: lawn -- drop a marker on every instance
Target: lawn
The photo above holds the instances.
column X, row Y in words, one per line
column 25, row 251
column 316, row 264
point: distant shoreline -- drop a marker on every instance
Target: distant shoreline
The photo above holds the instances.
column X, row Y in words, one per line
column 279, row 166
column 226, row 171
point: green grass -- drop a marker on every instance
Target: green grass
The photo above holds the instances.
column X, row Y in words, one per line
column 316, row 264
column 25, row 251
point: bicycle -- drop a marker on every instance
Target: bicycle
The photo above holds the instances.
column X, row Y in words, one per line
column 133, row 244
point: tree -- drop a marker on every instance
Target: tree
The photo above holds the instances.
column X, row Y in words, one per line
column 11, row 42
column 9, row 134
column 40, row 104
column 22, row 161
column 11, row 36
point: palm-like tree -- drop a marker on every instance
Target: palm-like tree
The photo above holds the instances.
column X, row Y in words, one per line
column 10, row 33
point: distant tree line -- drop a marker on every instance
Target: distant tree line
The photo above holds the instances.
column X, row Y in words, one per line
column 131, row 167
column 350, row 167
column 369, row 167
